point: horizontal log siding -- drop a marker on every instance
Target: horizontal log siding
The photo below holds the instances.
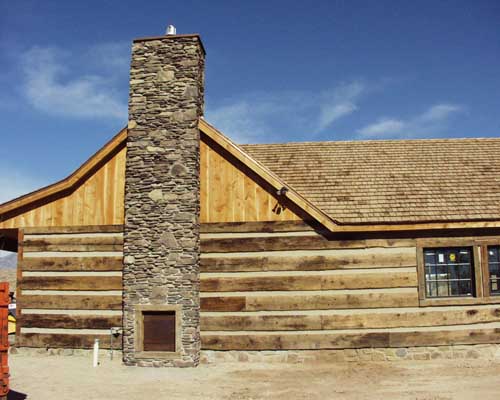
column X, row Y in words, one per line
column 487, row 333
column 71, row 286
column 72, row 264
column 69, row 321
column 68, row 340
column 348, row 319
column 309, row 281
column 307, row 261
column 309, row 242
column 267, row 286
column 264, row 286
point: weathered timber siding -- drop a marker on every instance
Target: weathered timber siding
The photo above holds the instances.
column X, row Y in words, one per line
column 296, row 289
column 70, row 291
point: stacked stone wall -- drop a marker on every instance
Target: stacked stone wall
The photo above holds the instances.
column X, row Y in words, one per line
column 161, row 238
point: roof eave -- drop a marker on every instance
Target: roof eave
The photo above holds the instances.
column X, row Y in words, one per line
column 417, row 226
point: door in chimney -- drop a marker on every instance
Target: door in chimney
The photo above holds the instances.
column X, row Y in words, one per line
column 159, row 330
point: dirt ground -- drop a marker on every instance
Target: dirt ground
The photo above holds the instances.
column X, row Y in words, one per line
column 60, row 377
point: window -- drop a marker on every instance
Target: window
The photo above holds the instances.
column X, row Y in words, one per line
column 449, row 272
column 456, row 271
column 494, row 269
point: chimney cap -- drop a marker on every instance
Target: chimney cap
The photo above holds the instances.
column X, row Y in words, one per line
column 171, row 30
column 184, row 35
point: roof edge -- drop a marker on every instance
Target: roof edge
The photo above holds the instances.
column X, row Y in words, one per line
column 418, row 226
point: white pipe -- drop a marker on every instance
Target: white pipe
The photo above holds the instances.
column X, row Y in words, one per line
column 96, row 353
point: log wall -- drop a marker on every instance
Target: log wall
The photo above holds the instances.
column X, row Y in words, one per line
column 287, row 288
column 264, row 286
column 70, row 288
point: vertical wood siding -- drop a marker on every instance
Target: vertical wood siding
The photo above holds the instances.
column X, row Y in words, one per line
column 229, row 193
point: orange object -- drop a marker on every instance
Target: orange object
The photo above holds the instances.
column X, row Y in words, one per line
column 4, row 339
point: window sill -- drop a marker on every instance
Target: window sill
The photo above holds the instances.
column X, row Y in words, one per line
column 459, row 301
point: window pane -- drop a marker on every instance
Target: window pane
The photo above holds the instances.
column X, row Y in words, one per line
column 464, row 287
column 442, row 272
column 494, row 268
column 493, row 253
column 429, row 258
column 495, row 286
column 431, row 289
column 464, row 272
column 464, row 257
column 448, row 271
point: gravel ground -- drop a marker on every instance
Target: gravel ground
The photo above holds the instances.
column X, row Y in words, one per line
column 59, row 377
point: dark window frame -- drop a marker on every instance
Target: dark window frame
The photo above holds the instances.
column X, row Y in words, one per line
column 476, row 298
column 481, row 270
column 488, row 278
column 453, row 269
column 485, row 244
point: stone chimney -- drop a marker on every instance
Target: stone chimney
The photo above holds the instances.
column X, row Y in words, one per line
column 162, row 189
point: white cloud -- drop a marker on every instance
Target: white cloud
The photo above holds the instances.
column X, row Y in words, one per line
column 265, row 116
column 440, row 112
column 239, row 121
column 332, row 112
column 51, row 87
column 383, row 126
column 436, row 118
column 339, row 102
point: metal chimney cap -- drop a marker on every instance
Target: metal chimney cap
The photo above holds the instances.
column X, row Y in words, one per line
column 171, row 30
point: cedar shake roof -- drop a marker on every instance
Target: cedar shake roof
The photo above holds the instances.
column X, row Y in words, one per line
column 392, row 181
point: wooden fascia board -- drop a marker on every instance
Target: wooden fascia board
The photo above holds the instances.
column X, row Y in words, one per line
column 69, row 182
column 265, row 174
column 418, row 226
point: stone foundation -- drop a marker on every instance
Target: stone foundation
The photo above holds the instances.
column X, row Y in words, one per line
column 490, row 352
column 480, row 351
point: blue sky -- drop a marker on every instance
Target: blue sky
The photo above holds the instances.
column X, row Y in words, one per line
column 276, row 71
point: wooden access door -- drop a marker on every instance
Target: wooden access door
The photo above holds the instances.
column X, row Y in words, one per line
column 159, row 330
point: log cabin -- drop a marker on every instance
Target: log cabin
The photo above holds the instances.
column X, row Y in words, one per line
column 172, row 241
